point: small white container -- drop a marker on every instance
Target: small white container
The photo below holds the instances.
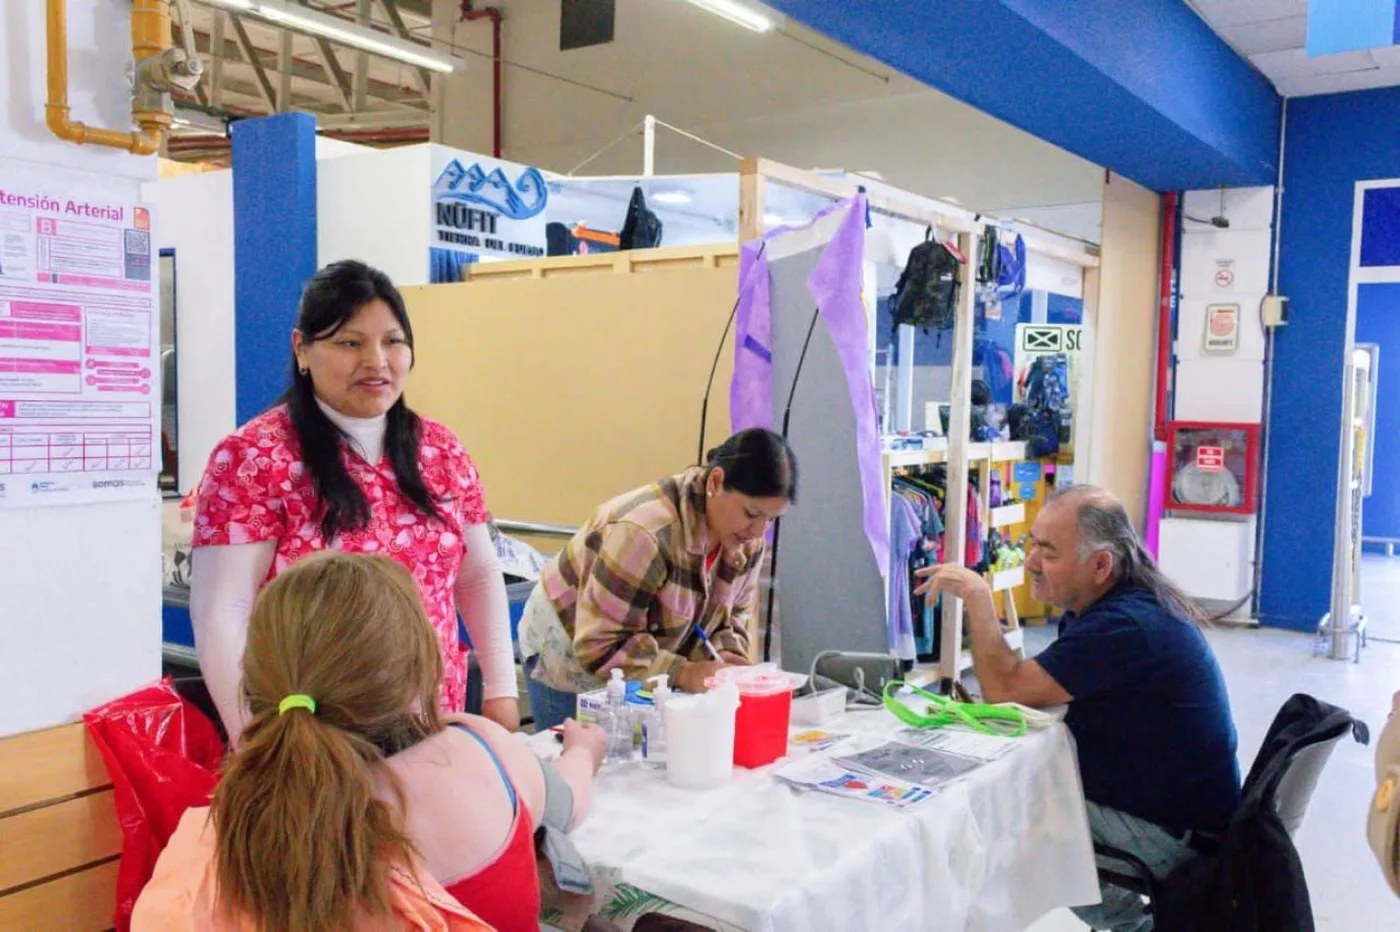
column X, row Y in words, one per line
column 819, row 708
column 700, row 738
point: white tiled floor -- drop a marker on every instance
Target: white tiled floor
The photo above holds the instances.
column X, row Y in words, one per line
column 1380, row 593
column 1265, row 667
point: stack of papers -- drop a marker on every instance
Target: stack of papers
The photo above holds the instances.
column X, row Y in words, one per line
column 968, row 744
column 897, row 774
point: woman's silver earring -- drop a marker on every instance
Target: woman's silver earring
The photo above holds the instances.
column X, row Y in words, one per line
column 305, row 371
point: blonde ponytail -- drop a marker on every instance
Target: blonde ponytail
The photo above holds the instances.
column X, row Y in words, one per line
column 304, row 840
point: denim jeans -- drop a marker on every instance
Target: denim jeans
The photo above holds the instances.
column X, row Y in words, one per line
column 548, row 706
column 1122, row 910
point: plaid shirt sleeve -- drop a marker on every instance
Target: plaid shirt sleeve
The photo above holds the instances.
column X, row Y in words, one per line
column 610, row 619
column 736, row 632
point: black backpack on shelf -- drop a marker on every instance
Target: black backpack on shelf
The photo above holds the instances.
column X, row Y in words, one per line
column 926, row 294
column 1038, row 427
column 989, row 260
column 642, row 228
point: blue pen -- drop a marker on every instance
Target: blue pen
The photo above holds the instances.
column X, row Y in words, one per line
column 705, row 639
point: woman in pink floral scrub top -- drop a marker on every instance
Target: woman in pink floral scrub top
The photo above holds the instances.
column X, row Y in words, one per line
column 343, row 463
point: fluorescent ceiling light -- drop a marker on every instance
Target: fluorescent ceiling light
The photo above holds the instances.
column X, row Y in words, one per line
column 675, row 197
column 738, row 13
column 310, row 21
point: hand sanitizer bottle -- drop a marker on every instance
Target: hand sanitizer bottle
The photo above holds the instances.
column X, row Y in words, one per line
column 654, row 724
column 616, row 720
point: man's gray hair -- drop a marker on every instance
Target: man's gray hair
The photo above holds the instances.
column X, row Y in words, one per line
column 1104, row 527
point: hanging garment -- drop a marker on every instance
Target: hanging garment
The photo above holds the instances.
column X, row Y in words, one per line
column 925, row 498
column 906, row 539
column 835, row 286
column 973, row 555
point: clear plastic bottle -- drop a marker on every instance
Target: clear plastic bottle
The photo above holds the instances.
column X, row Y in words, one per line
column 616, row 720
column 654, row 722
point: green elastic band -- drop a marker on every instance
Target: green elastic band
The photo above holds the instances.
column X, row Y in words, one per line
column 296, row 701
column 942, row 711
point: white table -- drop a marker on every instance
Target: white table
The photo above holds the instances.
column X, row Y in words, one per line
column 993, row 851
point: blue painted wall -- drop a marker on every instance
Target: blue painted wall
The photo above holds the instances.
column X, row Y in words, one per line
column 1139, row 86
column 1378, row 321
column 1333, row 142
column 274, row 250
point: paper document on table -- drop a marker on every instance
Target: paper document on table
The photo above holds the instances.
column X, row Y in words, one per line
column 924, row 766
column 814, row 740
column 825, row 775
column 962, row 743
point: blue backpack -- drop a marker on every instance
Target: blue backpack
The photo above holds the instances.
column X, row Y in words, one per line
column 1044, row 420
column 1047, row 383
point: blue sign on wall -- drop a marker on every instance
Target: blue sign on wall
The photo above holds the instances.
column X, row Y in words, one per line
column 485, row 207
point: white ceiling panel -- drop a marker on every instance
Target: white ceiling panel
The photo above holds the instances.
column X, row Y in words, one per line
column 1223, row 13
column 1271, row 35
column 1267, row 36
column 1388, row 57
column 1338, row 83
column 1294, row 63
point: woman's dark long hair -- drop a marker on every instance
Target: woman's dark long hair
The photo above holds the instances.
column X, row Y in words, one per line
column 331, row 298
column 757, row 463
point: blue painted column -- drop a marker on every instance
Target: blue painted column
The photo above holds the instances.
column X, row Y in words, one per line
column 274, row 250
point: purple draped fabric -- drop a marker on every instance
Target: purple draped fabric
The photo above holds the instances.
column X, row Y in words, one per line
column 835, row 286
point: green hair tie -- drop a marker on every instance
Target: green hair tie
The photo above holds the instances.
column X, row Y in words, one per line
column 296, row 701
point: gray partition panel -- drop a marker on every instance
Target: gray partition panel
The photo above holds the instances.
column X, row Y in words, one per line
column 830, row 589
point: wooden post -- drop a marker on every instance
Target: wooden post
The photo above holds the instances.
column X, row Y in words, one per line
column 1082, row 430
column 751, row 191
column 959, row 426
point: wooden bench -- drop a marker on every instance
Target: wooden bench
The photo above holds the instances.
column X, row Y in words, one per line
column 59, row 838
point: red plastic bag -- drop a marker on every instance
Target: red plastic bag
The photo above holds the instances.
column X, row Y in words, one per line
column 163, row 757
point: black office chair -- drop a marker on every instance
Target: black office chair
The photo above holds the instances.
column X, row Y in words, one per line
column 1307, row 754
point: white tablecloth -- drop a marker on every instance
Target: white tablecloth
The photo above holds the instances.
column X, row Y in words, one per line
column 993, row 851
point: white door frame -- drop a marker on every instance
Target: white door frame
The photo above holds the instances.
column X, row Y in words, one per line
column 1341, row 601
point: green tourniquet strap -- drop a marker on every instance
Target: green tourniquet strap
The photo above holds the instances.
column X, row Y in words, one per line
column 942, row 711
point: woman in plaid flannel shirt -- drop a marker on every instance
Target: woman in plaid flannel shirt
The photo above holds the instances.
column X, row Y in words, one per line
column 632, row 586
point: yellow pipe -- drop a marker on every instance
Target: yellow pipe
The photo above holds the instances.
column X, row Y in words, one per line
column 150, row 34
column 150, row 27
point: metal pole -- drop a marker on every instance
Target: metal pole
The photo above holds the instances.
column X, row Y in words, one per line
column 1340, row 627
column 649, row 146
column 284, row 69
column 360, row 84
column 904, row 382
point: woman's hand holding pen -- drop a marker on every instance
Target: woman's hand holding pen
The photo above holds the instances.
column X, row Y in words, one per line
column 693, row 675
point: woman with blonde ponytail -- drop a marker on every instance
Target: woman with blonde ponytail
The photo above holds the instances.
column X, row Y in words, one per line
column 332, row 813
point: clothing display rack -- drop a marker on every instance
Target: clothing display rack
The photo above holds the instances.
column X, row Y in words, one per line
column 832, row 594
column 927, row 468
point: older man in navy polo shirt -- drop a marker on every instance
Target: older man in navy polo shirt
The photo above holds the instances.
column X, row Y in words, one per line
column 1147, row 703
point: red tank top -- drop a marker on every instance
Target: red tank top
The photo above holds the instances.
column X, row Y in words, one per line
column 506, row 892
